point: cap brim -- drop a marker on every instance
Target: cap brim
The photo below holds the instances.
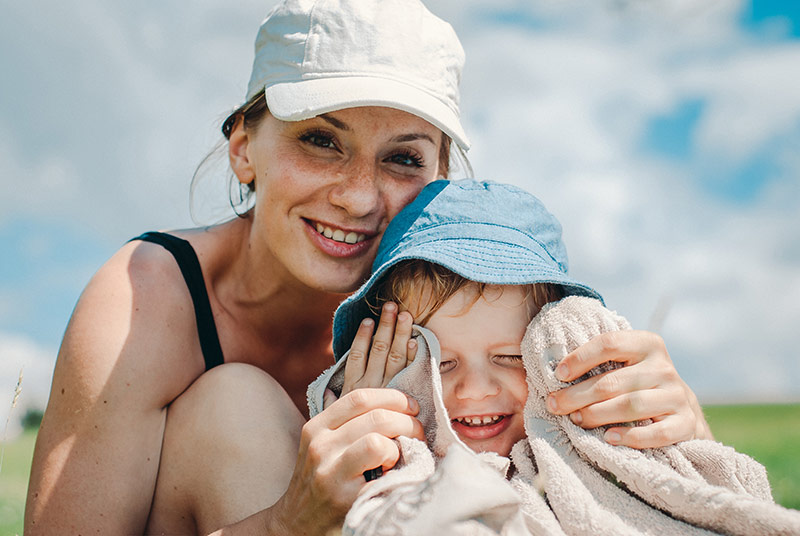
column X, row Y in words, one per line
column 304, row 99
column 473, row 259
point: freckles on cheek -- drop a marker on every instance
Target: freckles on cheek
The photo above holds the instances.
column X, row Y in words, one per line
column 402, row 197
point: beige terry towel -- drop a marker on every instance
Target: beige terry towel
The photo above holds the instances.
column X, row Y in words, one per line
column 562, row 479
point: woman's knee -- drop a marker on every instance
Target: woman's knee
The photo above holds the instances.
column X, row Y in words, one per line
column 229, row 449
column 237, row 404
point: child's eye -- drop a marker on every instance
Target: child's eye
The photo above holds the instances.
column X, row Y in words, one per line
column 509, row 360
column 407, row 158
column 446, row 366
column 318, row 138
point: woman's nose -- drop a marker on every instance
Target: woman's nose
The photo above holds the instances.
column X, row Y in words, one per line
column 476, row 383
column 358, row 190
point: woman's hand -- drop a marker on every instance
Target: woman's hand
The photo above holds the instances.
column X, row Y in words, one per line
column 374, row 361
column 648, row 387
column 337, row 446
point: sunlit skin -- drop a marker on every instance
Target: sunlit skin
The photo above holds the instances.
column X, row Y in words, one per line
column 351, row 170
column 273, row 283
column 481, row 365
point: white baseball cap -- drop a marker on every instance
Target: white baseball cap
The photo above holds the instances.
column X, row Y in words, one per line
column 317, row 56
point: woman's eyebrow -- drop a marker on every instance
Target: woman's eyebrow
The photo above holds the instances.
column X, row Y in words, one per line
column 338, row 123
column 413, row 137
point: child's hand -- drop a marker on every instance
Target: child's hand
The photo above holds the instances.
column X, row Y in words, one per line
column 648, row 387
column 374, row 361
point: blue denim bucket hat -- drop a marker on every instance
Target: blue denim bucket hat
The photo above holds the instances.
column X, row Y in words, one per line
column 484, row 231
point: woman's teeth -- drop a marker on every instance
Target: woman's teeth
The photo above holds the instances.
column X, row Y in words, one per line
column 479, row 421
column 338, row 235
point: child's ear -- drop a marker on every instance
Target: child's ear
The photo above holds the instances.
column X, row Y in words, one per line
column 238, row 143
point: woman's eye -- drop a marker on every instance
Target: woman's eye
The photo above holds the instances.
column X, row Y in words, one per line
column 407, row 158
column 319, row 139
column 446, row 366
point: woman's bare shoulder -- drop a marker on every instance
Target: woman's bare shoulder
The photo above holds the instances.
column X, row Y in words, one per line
column 135, row 317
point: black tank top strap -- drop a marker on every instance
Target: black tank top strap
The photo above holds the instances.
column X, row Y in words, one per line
column 187, row 260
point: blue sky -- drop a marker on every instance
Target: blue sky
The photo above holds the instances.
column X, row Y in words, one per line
column 664, row 135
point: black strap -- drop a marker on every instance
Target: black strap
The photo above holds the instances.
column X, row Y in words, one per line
column 190, row 268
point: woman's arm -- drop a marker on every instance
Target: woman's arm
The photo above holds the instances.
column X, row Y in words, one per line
column 124, row 357
column 648, row 387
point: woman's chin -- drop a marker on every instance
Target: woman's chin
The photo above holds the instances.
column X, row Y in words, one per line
column 335, row 281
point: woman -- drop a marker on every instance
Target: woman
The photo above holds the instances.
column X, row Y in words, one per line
column 350, row 111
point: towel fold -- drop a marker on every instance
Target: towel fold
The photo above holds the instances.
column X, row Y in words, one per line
column 561, row 479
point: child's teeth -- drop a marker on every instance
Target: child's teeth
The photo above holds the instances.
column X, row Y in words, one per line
column 479, row 421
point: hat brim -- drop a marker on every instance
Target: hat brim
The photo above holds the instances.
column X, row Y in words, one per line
column 304, row 99
column 473, row 259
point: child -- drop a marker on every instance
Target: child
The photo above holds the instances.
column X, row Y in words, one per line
column 479, row 328
column 482, row 267
column 475, row 276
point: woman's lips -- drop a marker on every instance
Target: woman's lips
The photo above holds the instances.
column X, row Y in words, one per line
column 468, row 427
column 341, row 243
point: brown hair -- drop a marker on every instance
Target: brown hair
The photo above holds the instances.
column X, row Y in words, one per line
column 423, row 287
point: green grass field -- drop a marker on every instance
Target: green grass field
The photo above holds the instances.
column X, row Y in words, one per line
column 14, row 482
column 771, row 435
column 768, row 433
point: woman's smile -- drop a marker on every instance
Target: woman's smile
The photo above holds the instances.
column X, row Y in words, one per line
column 338, row 242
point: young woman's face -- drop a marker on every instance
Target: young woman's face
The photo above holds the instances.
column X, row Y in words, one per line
column 483, row 379
column 327, row 187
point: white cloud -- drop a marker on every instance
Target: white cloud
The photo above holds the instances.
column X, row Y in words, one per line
column 556, row 98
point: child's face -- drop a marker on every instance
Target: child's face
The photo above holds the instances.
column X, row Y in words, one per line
column 483, row 379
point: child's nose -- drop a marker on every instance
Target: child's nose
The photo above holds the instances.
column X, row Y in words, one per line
column 476, row 384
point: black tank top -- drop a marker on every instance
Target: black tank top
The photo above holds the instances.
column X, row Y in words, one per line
column 190, row 268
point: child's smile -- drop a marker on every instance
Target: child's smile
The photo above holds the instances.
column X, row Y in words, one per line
column 479, row 428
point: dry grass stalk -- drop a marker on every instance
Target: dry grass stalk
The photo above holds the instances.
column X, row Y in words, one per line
column 17, row 391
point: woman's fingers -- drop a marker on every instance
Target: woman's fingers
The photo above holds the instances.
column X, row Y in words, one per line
column 350, row 436
column 412, row 351
column 368, row 452
column 648, row 387
column 328, row 398
column 381, row 345
column 356, row 365
column 604, row 387
column 362, row 401
column 629, row 407
column 627, row 347
column 374, row 360
column 667, row 431
column 398, row 354
column 381, row 421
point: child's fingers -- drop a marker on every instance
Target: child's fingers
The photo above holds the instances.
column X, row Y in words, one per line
column 398, row 353
column 356, row 364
